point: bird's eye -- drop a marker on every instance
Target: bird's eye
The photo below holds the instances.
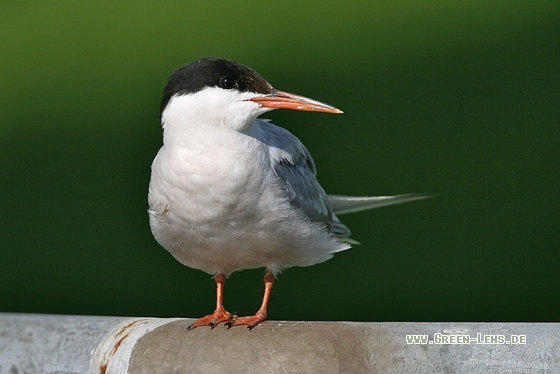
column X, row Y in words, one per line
column 227, row 83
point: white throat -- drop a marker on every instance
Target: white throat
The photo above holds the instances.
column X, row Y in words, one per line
column 209, row 109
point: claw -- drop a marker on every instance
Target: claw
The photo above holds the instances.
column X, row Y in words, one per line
column 230, row 320
column 220, row 314
column 250, row 321
column 260, row 316
column 212, row 320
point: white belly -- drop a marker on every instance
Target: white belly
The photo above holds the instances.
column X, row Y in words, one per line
column 221, row 210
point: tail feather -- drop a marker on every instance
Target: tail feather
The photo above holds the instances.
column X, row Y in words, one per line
column 350, row 204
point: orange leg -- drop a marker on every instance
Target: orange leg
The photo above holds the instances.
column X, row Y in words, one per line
column 260, row 316
column 220, row 314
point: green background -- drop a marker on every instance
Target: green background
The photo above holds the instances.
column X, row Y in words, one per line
column 461, row 98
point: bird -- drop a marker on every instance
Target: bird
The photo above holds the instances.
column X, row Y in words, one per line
column 229, row 191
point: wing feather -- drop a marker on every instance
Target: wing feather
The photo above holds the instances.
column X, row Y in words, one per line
column 351, row 204
column 293, row 165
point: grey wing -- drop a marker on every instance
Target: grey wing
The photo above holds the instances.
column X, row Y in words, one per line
column 350, row 204
column 304, row 192
column 293, row 165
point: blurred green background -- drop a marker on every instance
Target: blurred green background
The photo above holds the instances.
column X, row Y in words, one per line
column 461, row 98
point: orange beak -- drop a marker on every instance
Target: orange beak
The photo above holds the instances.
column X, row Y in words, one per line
column 285, row 100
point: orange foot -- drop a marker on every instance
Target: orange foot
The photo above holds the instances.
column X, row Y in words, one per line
column 250, row 321
column 220, row 315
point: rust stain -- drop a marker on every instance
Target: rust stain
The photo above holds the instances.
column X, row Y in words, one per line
column 121, row 335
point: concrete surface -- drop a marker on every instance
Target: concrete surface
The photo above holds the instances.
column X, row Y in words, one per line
column 85, row 344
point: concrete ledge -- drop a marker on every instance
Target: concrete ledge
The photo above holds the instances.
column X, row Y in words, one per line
column 85, row 344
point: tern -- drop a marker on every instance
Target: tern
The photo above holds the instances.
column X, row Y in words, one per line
column 229, row 191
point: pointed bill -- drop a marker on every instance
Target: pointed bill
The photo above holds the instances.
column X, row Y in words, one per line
column 285, row 100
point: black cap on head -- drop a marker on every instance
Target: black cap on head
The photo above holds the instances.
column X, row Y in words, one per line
column 213, row 72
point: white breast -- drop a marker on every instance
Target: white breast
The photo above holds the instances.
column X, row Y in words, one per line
column 201, row 195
